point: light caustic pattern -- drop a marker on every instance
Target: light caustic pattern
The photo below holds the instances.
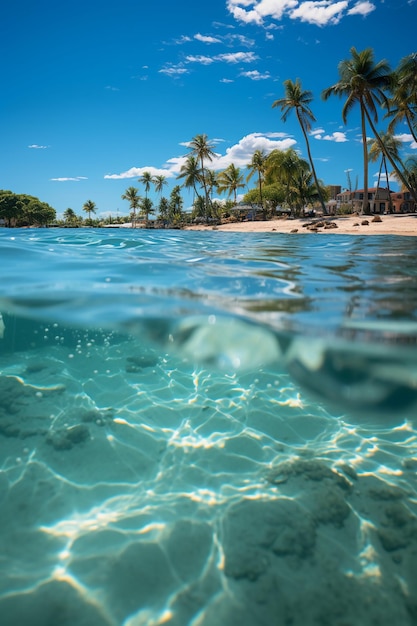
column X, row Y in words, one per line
column 137, row 489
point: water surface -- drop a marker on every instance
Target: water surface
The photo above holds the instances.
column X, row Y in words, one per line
column 207, row 428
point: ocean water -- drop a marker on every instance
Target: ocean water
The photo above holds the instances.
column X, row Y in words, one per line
column 205, row 429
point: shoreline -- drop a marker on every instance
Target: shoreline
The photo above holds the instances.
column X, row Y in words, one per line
column 402, row 224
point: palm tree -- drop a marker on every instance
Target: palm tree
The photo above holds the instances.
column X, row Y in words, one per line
column 403, row 104
column 131, row 195
column 146, row 207
column 257, row 165
column 299, row 100
column 392, row 147
column 203, row 150
column 284, row 167
column 362, row 81
column 70, row 216
column 160, row 181
column 146, row 179
column 89, row 207
column 190, row 171
column 230, row 180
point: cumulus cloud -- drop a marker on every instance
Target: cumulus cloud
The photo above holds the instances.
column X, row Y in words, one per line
column 65, row 179
column 206, row 38
column 362, row 8
column 240, row 154
column 407, row 138
column 255, row 75
column 337, row 137
column 135, row 172
column 318, row 12
column 35, row 146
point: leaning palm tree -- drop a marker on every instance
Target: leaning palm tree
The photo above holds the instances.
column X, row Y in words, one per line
column 203, row 150
column 230, row 180
column 89, row 207
column 131, row 195
column 362, row 81
column 298, row 100
column 403, row 103
column 257, row 165
column 146, row 179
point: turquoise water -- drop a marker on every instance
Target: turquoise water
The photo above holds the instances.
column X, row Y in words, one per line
column 202, row 428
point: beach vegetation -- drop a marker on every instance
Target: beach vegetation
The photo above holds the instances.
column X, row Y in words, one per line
column 132, row 196
column 230, row 181
column 297, row 99
column 23, row 210
column 257, row 166
column 363, row 82
column 89, row 207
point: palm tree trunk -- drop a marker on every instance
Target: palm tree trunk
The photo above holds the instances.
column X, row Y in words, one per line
column 365, row 203
column 323, row 206
column 390, row 159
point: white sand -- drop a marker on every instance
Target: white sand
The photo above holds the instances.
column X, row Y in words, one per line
column 349, row 225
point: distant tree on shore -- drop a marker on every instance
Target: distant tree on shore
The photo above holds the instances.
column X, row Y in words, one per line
column 131, row 195
column 230, row 180
column 89, row 207
column 24, row 210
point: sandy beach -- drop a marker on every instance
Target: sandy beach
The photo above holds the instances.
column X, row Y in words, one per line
column 338, row 225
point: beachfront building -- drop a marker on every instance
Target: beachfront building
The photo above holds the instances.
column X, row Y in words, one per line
column 402, row 202
column 378, row 197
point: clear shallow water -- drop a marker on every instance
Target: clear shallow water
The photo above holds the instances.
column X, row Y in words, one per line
column 207, row 428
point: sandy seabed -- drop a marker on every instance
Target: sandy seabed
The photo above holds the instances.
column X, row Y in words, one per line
column 350, row 225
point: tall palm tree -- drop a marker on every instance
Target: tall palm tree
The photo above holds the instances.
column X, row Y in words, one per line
column 230, row 180
column 89, row 207
column 298, row 100
column 203, row 150
column 146, row 179
column 131, row 195
column 160, row 181
column 257, row 165
column 362, row 81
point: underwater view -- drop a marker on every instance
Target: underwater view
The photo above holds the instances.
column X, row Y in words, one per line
column 207, row 428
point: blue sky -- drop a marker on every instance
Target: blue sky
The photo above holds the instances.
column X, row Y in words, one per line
column 96, row 92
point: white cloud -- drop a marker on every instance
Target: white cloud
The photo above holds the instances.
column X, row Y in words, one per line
column 255, row 75
column 110, row 88
column 69, row 178
column 206, row 39
column 135, row 172
column 362, row 8
column 226, row 80
column 200, row 58
column 318, row 12
column 407, row 138
column 174, row 70
column 240, row 154
column 336, row 136
column 35, row 146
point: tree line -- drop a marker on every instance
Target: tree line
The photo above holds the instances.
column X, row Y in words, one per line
column 282, row 178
